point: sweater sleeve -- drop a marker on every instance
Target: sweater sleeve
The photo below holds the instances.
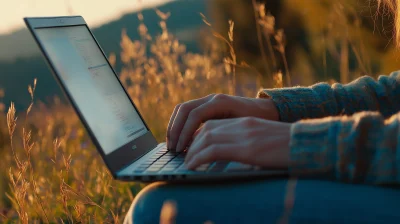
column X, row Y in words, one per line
column 322, row 100
column 363, row 148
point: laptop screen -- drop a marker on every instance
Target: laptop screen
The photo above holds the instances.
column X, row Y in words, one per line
column 90, row 81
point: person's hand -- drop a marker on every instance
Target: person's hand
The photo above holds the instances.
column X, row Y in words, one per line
column 247, row 140
column 187, row 117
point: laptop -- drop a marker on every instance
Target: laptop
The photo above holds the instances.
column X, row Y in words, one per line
column 112, row 120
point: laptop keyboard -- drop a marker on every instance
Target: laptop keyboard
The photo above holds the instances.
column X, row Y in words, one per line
column 168, row 161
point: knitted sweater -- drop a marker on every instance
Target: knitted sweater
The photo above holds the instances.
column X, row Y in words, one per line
column 349, row 132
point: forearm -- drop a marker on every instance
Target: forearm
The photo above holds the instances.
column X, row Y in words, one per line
column 322, row 100
column 363, row 148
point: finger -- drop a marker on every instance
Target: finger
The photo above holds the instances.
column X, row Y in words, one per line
column 214, row 124
column 213, row 131
column 171, row 121
column 226, row 127
column 180, row 119
column 206, row 139
column 217, row 123
column 197, row 132
column 197, row 116
column 194, row 136
column 219, row 152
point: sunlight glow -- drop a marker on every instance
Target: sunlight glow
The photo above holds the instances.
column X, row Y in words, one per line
column 95, row 12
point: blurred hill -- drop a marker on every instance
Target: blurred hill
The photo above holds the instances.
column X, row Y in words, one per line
column 22, row 44
column 21, row 62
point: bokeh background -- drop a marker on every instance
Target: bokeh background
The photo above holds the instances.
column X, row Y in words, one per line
column 165, row 52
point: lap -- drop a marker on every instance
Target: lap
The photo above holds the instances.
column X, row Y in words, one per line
column 268, row 201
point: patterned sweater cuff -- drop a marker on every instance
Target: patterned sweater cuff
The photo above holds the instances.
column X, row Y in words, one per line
column 312, row 152
column 302, row 102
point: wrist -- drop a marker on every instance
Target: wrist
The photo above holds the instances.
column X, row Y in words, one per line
column 268, row 109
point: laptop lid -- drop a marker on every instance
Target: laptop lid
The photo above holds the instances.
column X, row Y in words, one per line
column 80, row 66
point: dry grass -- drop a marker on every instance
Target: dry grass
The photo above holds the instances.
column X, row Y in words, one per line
column 50, row 170
column 55, row 173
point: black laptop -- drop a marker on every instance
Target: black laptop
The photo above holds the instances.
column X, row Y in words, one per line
column 114, row 124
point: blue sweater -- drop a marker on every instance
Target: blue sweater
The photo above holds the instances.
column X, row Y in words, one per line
column 349, row 132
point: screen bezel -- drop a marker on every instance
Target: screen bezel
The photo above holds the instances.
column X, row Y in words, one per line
column 122, row 156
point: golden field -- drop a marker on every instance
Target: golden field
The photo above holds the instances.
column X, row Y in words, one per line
column 51, row 172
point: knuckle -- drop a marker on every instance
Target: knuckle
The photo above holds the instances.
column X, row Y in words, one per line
column 249, row 121
column 220, row 97
column 194, row 114
column 208, row 125
column 208, row 137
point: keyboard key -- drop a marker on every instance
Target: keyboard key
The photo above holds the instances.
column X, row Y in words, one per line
column 178, row 159
column 203, row 167
column 157, row 165
column 173, row 165
column 168, row 169
column 158, row 162
column 236, row 166
column 164, row 159
column 218, row 166
column 176, row 162
column 153, row 169
column 168, row 156
column 173, row 153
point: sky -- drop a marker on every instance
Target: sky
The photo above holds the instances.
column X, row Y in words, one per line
column 95, row 12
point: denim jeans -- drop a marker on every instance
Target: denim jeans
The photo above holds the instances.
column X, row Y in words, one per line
column 269, row 201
